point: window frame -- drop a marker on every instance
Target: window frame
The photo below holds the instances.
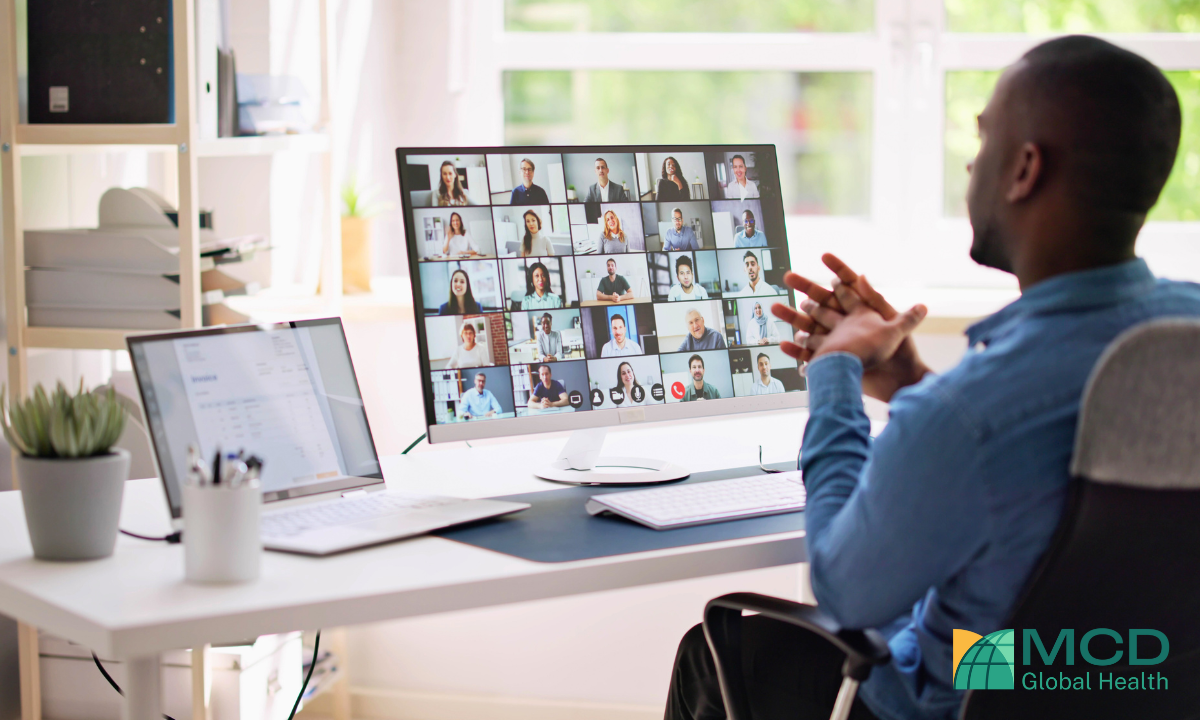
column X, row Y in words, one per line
column 907, row 233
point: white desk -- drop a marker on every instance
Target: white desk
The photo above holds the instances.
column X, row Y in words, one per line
column 135, row 604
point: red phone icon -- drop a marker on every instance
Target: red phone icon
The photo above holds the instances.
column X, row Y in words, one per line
column 677, row 390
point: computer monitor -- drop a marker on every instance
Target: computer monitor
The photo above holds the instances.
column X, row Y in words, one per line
column 285, row 392
column 577, row 288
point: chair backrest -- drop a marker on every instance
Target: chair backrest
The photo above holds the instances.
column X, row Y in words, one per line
column 1127, row 553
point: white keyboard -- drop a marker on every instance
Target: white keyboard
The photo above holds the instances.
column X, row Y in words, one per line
column 344, row 511
column 706, row 502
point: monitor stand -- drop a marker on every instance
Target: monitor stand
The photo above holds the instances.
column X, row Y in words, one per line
column 580, row 463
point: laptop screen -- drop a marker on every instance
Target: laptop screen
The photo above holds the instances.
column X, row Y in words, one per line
column 286, row 393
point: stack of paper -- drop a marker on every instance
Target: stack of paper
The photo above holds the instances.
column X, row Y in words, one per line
column 125, row 273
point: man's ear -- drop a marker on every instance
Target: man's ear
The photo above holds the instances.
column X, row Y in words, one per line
column 1026, row 172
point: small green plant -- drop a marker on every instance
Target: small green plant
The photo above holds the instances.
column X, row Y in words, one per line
column 62, row 425
column 359, row 201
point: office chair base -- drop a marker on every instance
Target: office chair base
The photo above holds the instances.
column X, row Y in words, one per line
column 655, row 471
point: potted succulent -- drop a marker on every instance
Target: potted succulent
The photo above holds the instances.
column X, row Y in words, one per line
column 71, row 477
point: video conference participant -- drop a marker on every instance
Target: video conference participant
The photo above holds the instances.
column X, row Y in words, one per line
column 635, row 393
column 602, row 190
column 538, row 295
column 534, row 243
column 764, row 383
column 613, row 287
column 748, row 236
column 548, row 393
column 700, row 337
column 685, row 289
column 470, row 353
column 479, row 402
column 457, row 240
column 549, row 341
column 697, row 389
column 527, row 193
column 756, row 285
column 680, row 236
column 762, row 330
column 672, row 185
column 612, row 235
column 619, row 345
column 462, row 301
column 740, row 188
column 450, row 191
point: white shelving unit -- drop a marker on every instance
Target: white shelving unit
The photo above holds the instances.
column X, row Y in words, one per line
column 17, row 140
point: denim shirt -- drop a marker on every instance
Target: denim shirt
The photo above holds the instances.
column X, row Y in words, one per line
column 938, row 523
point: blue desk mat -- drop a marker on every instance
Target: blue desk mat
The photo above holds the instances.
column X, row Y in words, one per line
column 557, row 528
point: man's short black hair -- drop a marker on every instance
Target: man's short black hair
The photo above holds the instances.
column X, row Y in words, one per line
column 694, row 358
column 1121, row 118
column 749, row 255
column 681, row 261
column 761, row 356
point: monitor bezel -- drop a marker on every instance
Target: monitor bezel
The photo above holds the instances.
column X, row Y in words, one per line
column 341, row 484
column 509, row 427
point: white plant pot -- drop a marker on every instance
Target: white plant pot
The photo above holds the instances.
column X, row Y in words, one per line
column 73, row 506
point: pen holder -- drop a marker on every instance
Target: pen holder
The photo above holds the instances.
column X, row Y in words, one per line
column 221, row 540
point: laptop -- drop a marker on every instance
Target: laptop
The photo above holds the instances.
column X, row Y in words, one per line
column 286, row 393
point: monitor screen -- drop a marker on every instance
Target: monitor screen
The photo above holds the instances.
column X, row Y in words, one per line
column 562, row 287
column 286, row 393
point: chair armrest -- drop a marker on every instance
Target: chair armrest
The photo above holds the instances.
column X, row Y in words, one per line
column 722, row 628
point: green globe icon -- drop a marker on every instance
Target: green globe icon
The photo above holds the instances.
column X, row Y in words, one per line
column 988, row 664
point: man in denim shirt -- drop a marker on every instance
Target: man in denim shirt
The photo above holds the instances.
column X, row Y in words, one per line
column 939, row 522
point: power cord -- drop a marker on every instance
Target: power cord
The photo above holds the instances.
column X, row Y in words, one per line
column 313, row 666
column 414, row 444
column 763, row 467
column 174, row 538
column 114, row 682
column 295, row 706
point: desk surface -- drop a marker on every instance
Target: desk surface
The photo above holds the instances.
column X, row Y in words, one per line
column 136, row 602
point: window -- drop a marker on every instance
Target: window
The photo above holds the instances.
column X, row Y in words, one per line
column 872, row 103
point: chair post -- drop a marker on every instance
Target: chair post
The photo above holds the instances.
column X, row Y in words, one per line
column 723, row 631
column 845, row 699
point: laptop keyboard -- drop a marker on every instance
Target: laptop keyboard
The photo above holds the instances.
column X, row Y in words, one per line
column 345, row 511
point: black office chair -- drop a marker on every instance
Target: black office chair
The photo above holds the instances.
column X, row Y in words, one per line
column 1126, row 554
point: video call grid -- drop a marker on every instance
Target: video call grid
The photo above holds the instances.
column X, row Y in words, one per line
column 725, row 363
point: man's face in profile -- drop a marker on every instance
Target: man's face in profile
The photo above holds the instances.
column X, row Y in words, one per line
column 752, row 269
column 984, row 194
column 602, row 171
column 678, row 221
column 697, row 369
